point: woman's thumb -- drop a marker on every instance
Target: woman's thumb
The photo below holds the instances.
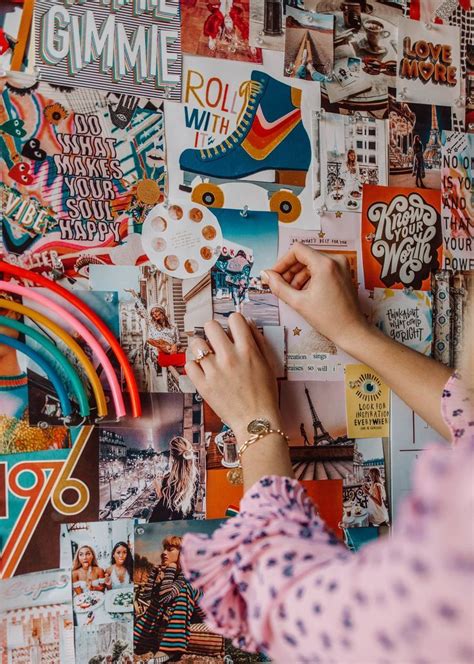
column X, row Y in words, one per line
column 278, row 285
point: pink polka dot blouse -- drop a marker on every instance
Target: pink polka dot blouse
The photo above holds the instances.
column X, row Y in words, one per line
column 275, row 580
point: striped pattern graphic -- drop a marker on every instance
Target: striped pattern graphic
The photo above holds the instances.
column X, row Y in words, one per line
column 265, row 136
column 92, row 75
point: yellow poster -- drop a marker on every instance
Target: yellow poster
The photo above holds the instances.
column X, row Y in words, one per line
column 367, row 403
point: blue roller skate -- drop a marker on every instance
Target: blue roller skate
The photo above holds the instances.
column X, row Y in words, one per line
column 269, row 136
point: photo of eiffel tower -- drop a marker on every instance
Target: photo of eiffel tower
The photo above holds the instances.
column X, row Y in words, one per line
column 321, row 435
column 432, row 153
column 326, row 456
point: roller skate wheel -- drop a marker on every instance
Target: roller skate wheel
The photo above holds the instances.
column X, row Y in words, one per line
column 208, row 194
column 286, row 205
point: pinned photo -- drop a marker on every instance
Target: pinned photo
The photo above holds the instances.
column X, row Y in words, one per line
column 157, row 314
column 153, row 468
column 100, row 556
column 309, row 45
column 249, row 246
column 218, row 29
column 267, row 24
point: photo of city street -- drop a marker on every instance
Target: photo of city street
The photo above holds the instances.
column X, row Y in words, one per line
column 136, row 459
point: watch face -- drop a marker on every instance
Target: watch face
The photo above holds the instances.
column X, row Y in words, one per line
column 258, row 426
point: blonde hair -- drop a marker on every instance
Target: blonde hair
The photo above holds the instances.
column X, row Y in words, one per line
column 172, row 541
column 182, row 479
column 77, row 565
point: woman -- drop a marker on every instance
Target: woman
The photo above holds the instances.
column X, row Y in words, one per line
column 176, row 492
column 376, row 498
column 291, row 589
column 163, row 336
column 172, row 601
column 86, row 572
column 120, row 572
column 418, row 162
column 351, row 177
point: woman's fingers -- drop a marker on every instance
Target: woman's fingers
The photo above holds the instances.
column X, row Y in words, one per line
column 300, row 279
column 279, row 287
column 298, row 253
column 217, row 337
column 240, row 331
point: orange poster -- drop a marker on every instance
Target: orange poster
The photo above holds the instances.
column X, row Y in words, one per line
column 401, row 236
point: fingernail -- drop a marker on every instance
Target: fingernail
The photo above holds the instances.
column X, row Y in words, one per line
column 264, row 276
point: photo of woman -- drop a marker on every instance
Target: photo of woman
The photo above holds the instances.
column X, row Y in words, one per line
column 163, row 335
column 418, row 162
column 167, row 607
column 177, row 489
column 86, row 572
column 237, row 276
column 377, row 498
column 120, row 572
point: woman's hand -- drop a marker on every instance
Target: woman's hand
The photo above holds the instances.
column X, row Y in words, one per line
column 236, row 380
column 319, row 287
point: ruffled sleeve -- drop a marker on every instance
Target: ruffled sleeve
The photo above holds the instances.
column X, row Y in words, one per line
column 255, row 557
column 457, row 409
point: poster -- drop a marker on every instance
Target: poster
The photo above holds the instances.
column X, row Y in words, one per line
column 65, row 489
column 352, row 154
column 415, row 132
column 401, row 237
column 405, row 316
column 310, row 355
column 110, row 641
column 366, row 503
column 367, row 402
column 242, row 138
column 218, row 30
column 36, row 618
column 110, row 46
column 153, row 468
column 309, row 45
column 79, row 171
column 15, row 23
column 457, row 200
column 250, row 244
column 428, row 63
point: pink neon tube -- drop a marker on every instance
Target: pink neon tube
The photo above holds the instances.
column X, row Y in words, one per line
column 76, row 324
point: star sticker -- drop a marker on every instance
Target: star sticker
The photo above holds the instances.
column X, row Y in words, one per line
column 321, row 234
column 338, row 214
column 297, row 331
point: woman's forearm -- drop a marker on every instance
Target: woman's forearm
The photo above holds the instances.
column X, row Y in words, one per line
column 268, row 456
column 417, row 379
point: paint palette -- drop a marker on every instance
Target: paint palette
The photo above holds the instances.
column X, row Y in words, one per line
column 182, row 239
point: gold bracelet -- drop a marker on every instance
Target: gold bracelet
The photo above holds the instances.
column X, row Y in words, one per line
column 236, row 475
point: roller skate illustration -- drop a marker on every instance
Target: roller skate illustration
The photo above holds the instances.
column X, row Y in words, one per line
column 269, row 136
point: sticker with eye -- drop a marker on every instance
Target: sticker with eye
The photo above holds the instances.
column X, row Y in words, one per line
column 175, row 212
column 159, row 225
column 171, row 262
column 158, row 244
column 206, row 253
column 368, row 388
column 209, row 232
column 195, row 215
column 191, row 266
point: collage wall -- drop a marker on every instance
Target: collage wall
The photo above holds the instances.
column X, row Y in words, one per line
column 155, row 157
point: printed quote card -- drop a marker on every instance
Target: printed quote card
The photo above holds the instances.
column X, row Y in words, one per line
column 401, row 237
column 367, row 403
column 457, row 200
column 404, row 316
column 429, row 63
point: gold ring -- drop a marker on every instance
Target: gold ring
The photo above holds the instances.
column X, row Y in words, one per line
column 203, row 352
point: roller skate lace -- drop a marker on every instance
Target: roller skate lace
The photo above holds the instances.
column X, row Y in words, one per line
column 251, row 91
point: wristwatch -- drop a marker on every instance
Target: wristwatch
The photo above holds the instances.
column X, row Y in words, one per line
column 259, row 425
